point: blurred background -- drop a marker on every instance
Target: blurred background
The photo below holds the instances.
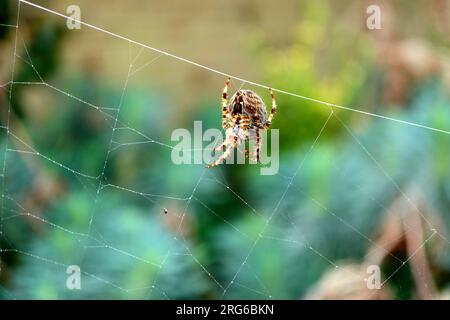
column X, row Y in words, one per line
column 76, row 191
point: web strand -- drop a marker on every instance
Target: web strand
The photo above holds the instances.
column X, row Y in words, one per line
column 100, row 242
column 162, row 52
column 7, row 130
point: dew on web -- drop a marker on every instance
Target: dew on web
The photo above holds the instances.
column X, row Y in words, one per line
column 164, row 219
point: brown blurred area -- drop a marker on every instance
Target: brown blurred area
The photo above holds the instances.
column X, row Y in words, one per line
column 227, row 35
column 407, row 58
column 218, row 34
column 403, row 232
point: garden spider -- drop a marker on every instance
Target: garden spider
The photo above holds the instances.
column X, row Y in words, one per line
column 245, row 114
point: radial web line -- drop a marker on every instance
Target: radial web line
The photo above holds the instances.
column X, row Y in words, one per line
column 97, row 239
column 277, row 205
column 8, row 117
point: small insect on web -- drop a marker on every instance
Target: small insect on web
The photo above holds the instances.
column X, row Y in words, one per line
column 245, row 114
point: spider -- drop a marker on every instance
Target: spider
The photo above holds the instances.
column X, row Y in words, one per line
column 245, row 114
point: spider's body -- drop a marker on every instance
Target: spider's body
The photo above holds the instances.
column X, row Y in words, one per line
column 250, row 105
column 242, row 118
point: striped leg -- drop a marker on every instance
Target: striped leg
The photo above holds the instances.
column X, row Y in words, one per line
column 257, row 148
column 258, row 144
column 272, row 112
column 226, row 154
column 245, row 122
column 228, row 133
column 226, row 142
column 225, row 105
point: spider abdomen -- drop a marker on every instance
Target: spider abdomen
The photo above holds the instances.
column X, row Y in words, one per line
column 252, row 106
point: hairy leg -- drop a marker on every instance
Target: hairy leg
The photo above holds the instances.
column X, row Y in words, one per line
column 225, row 105
column 272, row 112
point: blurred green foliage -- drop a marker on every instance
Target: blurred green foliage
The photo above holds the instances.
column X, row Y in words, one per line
column 130, row 236
column 318, row 68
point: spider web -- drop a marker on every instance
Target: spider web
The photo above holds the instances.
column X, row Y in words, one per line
column 180, row 245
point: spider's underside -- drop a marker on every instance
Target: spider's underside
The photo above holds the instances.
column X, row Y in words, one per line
column 244, row 115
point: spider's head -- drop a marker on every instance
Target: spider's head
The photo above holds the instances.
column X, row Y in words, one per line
column 238, row 103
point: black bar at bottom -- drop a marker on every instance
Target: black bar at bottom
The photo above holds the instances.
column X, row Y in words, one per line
column 213, row 309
